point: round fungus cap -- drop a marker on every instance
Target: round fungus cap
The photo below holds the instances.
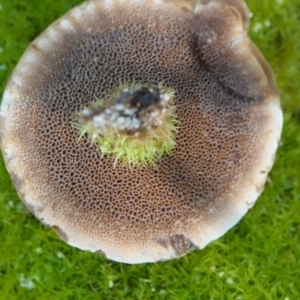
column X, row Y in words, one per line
column 224, row 98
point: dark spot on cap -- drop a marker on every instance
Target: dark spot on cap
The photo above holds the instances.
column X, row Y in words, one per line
column 144, row 98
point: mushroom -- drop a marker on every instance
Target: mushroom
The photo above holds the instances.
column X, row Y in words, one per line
column 225, row 100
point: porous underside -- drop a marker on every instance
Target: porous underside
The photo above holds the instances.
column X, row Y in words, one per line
column 226, row 102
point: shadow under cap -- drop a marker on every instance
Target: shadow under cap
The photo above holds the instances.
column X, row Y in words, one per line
column 226, row 101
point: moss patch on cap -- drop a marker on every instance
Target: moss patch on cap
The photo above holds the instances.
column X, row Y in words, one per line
column 135, row 124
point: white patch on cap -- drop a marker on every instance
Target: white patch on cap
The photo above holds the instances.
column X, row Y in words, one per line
column 46, row 40
column 26, row 65
column 108, row 4
column 24, row 70
column 91, row 7
column 136, row 2
column 66, row 24
column 30, row 57
column 6, row 100
column 198, row 8
column 77, row 13
column 276, row 112
column 52, row 34
column 159, row 2
column 17, row 79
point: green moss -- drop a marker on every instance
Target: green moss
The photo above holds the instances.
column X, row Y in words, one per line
column 138, row 147
column 258, row 259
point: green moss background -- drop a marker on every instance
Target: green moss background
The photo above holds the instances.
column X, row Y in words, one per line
column 258, row 259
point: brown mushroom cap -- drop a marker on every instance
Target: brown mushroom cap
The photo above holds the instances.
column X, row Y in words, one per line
column 226, row 101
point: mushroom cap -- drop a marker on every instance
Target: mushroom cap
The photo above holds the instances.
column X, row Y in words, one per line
column 227, row 104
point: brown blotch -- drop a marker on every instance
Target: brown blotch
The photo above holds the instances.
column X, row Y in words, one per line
column 100, row 252
column 60, row 233
column 181, row 244
column 36, row 48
